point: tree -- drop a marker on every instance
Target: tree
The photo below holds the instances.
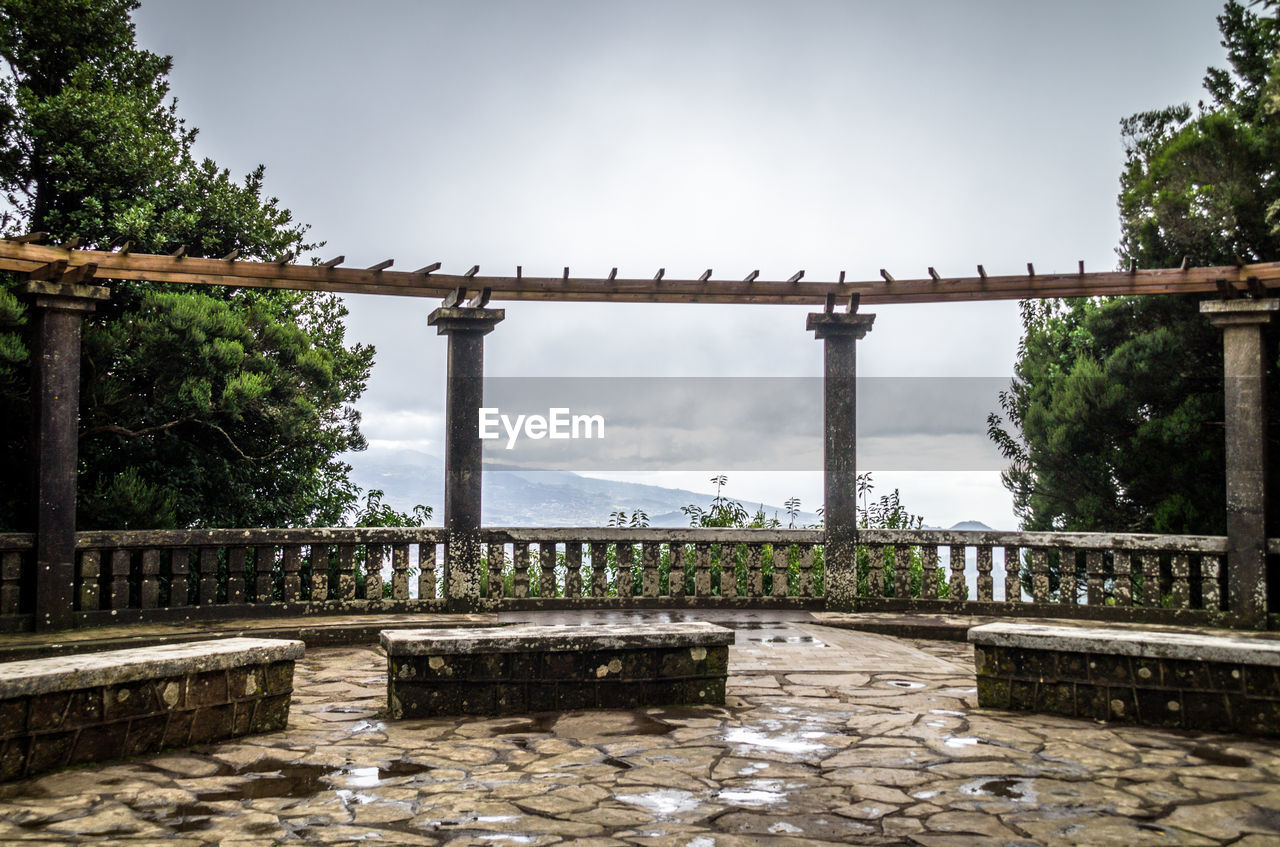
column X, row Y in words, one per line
column 211, row 407
column 1114, row 415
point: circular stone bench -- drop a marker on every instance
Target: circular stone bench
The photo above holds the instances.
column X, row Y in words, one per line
column 69, row 710
column 534, row 668
column 1223, row 682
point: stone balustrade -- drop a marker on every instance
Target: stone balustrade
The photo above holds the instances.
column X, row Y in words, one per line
column 177, row 575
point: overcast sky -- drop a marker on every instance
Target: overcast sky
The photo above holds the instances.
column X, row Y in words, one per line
column 822, row 136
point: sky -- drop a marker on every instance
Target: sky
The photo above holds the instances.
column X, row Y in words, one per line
column 824, row 136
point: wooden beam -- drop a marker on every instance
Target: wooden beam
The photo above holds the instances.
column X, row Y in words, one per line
column 382, row 266
column 334, row 262
column 26, row 257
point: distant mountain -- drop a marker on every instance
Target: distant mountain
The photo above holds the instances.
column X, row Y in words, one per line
column 973, row 525
column 530, row 498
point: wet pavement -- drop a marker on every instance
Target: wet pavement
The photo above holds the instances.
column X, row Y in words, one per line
column 829, row 737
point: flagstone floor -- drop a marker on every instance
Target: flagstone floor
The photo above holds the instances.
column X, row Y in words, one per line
column 828, row 737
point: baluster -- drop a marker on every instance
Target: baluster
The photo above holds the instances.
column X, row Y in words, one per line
column 1040, row 576
column 11, row 582
column 207, row 578
column 901, row 571
column 929, row 572
column 1012, row 575
column 497, row 571
column 875, row 570
column 319, row 555
column 179, row 588
column 427, row 570
column 520, row 569
column 573, row 569
column 547, row 569
column 90, row 574
column 986, row 582
column 649, row 578
column 728, row 570
column 702, row 569
column 235, row 574
column 373, row 572
column 599, row 568
column 1094, row 587
column 781, row 569
column 804, row 568
column 290, row 564
column 626, row 562
column 118, row 587
column 1067, row 590
column 264, row 566
column 959, row 591
column 1180, row 590
column 400, row 572
column 346, row 571
column 1211, row 585
column 1122, row 564
column 1151, row 580
column 149, row 590
column 755, row 570
column 675, row 575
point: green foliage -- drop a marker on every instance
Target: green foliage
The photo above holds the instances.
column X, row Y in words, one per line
column 208, row 407
column 1113, row 419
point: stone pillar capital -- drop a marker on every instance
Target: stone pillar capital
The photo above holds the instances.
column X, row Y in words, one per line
column 1224, row 313
column 839, row 324
column 66, row 296
column 456, row 319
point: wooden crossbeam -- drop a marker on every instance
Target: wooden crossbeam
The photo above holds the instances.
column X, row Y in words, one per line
column 27, row 257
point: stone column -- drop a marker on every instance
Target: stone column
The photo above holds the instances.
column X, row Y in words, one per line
column 1244, row 385
column 839, row 332
column 60, row 309
column 464, row 395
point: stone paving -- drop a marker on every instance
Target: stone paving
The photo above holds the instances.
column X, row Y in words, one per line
column 828, row 737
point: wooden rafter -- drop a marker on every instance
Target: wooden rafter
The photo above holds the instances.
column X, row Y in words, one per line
column 17, row 255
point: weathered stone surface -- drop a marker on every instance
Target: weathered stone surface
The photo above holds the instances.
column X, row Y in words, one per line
column 1174, row 679
column 1235, row 648
column 116, row 667
column 760, row 772
column 539, row 638
column 132, row 716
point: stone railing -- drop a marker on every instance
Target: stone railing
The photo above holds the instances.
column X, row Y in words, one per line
column 209, row 574
column 1118, row 576
column 651, row 566
column 224, row 573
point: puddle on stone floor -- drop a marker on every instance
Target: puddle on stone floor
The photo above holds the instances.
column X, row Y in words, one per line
column 781, row 741
column 904, row 683
column 758, row 792
column 665, row 802
column 620, row 723
column 774, row 640
column 1005, row 788
column 958, row 742
column 1217, row 757
column 271, row 779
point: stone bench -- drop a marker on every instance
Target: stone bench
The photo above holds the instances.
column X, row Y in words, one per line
column 68, row 710
column 533, row 668
column 1217, row 681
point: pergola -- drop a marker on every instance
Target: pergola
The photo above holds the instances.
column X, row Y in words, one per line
column 64, row 283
